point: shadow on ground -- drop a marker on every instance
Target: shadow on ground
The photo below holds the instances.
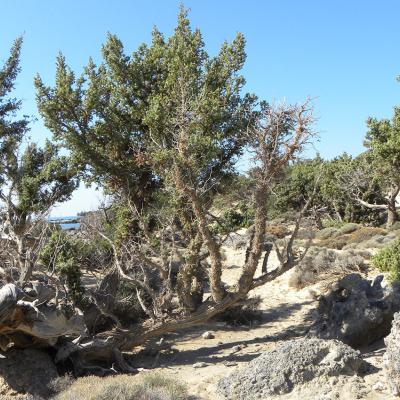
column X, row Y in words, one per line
column 164, row 354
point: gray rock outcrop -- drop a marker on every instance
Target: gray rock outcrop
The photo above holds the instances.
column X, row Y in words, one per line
column 391, row 358
column 289, row 365
column 357, row 311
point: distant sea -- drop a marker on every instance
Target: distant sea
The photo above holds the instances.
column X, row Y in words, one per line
column 67, row 223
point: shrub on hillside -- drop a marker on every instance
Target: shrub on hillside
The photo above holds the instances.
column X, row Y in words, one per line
column 388, row 260
column 279, row 231
column 348, row 228
column 305, row 234
column 327, row 233
column 320, row 263
column 125, row 387
column 336, row 242
column 365, row 233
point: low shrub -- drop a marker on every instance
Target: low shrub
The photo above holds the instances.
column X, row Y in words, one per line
column 348, row 228
column 332, row 223
column 388, row 260
column 367, row 236
column 334, row 242
column 327, row 233
column 151, row 386
column 279, row 231
column 305, row 234
column 321, row 263
column 365, row 233
column 233, row 219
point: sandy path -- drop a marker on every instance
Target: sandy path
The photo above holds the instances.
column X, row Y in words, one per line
column 287, row 314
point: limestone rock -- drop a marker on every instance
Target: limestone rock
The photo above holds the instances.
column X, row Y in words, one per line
column 391, row 358
column 357, row 311
column 199, row 365
column 291, row 364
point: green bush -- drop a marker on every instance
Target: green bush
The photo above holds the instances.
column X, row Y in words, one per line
column 349, row 228
column 332, row 223
column 234, row 219
column 388, row 260
column 63, row 253
column 327, row 233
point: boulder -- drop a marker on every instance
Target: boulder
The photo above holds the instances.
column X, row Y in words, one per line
column 357, row 311
column 26, row 373
column 289, row 365
column 391, row 358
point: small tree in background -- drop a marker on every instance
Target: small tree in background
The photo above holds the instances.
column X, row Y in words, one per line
column 382, row 163
column 32, row 179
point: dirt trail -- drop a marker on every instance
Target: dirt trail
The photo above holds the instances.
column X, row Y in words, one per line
column 287, row 314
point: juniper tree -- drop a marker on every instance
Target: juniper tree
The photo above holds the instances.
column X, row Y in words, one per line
column 383, row 151
column 167, row 116
column 162, row 130
column 32, row 179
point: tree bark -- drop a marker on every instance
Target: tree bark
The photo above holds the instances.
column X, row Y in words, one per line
column 260, row 219
column 392, row 211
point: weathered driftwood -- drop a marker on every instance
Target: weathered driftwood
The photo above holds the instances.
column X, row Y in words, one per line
column 42, row 321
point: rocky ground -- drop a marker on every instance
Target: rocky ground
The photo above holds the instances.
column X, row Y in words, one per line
column 204, row 355
column 287, row 314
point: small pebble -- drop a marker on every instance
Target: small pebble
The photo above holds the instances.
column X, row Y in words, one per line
column 231, row 364
column 379, row 386
column 208, row 335
column 199, row 365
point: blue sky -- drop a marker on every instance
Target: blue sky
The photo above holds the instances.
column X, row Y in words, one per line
column 342, row 53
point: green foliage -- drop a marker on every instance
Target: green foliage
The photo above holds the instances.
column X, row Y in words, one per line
column 235, row 218
column 328, row 232
column 298, row 185
column 332, row 196
column 12, row 130
column 65, row 254
column 383, row 142
column 349, row 228
column 40, row 177
column 388, row 260
column 32, row 179
column 120, row 120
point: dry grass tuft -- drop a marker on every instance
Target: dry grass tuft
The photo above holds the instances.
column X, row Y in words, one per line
column 150, row 386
